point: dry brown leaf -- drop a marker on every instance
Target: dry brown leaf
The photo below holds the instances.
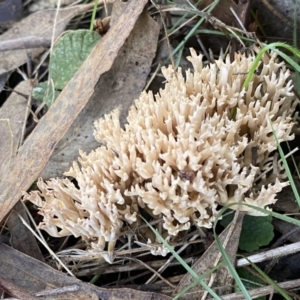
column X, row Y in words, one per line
column 35, row 152
column 12, row 113
column 39, row 24
column 212, row 256
column 21, row 237
column 13, row 290
column 286, row 200
column 42, row 4
column 34, row 276
column 222, row 10
column 276, row 18
column 119, row 87
column 12, row 117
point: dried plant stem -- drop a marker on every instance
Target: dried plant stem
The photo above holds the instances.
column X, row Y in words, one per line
column 262, row 291
column 27, row 42
column 278, row 252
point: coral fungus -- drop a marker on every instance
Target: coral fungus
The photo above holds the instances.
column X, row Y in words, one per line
column 203, row 141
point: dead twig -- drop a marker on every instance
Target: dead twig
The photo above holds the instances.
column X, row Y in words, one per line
column 27, row 42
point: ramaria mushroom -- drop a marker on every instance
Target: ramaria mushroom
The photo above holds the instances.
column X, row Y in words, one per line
column 181, row 155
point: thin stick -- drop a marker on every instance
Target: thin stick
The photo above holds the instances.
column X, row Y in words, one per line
column 273, row 253
column 27, row 42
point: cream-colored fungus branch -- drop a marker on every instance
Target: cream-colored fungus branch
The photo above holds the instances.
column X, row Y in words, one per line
column 180, row 156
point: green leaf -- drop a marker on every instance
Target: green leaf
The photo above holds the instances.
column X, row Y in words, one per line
column 256, row 232
column 250, row 281
column 68, row 55
column 45, row 92
column 39, row 91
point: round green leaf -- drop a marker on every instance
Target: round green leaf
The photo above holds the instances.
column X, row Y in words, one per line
column 256, row 232
column 39, row 92
column 45, row 92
